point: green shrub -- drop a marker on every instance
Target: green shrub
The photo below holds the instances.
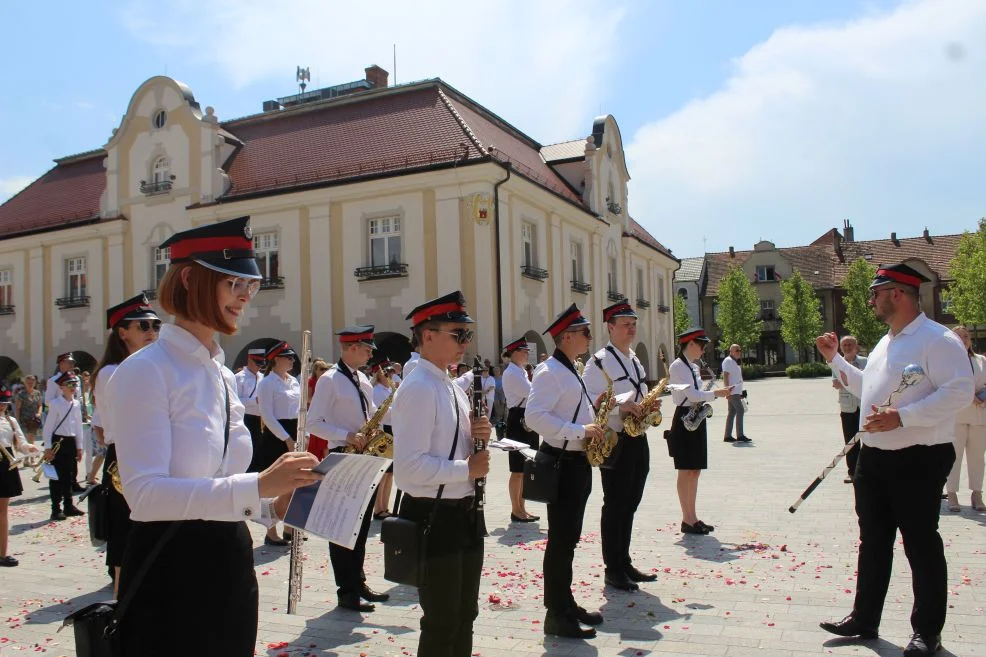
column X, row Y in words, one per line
column 752, row 371
column 808, row 370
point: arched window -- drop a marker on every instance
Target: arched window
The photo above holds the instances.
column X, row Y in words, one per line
column 161, row 170
column 683, row 292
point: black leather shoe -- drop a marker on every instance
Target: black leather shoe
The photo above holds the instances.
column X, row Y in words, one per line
column 57, row 515
column 697, row 528
column 352, row 602
column 707, row 528
column 849, row 626
column 922, row 644
column 276, row 542
column 72, row 511
column 370, row 595
column 566, row 626
column 638, row 576
column 620, row 581
column 588, row 617
column 516, row 518
column 729, row 439
column 10, row 562
column 745, row 439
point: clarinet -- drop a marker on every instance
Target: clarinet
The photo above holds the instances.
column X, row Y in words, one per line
column 477, row 411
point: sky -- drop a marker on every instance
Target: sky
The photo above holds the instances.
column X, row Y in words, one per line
column 741, row 121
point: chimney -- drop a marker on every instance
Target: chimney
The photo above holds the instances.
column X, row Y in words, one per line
column 377, row 77
column 847, row 231
column 893, row 238
column 927, row 236
column 732, row 252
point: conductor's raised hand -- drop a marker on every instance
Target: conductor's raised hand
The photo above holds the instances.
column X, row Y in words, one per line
column 289, row 471
column 479, row 464
column 828, row 346
column 481, row 428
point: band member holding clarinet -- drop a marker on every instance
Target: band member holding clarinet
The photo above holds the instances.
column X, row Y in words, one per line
column 516, row 388
column 247, row 382
column 559, row 408
column 341, row 405
column 63, row 444
column 906, row 456
column 624, row 475
column 437, row 466
column 383, row 386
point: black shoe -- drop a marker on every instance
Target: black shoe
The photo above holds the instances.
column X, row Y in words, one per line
column 588, row 617
column 744, row 439
column 620, row 581
column 370, row 595
column 382, row 515
column 708, row 528
column 729, row 439
column 922, row 644
column 72, row 511
column 10, row 562
column 516, row 518
column 566, row 626
column 76, row 488
column 637, row 576
column 849, row 626
column 847, row 480
column 57, row 515
column 352, row 602
column 697, row 528
column 276, row 542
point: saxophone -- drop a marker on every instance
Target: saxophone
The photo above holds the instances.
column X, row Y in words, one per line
column 652, row 415
column 114, row 472
column 699, row 411
column 382, row 443
column 598, row 450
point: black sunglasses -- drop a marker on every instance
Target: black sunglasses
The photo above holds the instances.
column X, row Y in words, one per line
column 462, row 335
column 149, row 325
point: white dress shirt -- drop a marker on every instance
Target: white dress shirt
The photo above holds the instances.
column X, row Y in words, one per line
column 279, row 399
column 628, row 384
column 973, row 414
column 927, row 410
column 848, row 402
column 247, row 384
column 395, row 378
column 103, row 402
column 8, row 429
column 735, row 372
column 464, row 382
column 489, row 392
column 411, row 363
column 380, row 394
column 556, row 392
column 336, row 410
column 60, row 408
column 424, row 418
column 169, row 417
column 516, row 385
column 682, row 381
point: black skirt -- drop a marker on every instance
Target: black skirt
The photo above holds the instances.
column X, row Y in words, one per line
column 117, row 516
column 516, row 431
column 200, row 596
column 690, row 448
column 252, row 423
column 10, row 480
column 271, row 447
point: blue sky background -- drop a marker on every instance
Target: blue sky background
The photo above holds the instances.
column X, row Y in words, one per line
column 761, row 119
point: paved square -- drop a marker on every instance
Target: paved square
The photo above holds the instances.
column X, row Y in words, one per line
column 758, row 586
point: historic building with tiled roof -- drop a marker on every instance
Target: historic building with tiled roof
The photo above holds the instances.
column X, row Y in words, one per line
column 365, row 200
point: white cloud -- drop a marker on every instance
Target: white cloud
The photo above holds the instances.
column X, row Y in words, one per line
column 10, row 186
column 538, row 63
column 879, row 119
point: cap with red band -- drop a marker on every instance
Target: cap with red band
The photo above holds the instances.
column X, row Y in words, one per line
column 520, row 344
column 899, row 273
column 361, row 333
column 226, row 247
column 449, row 308
column 569, row 319
column 134, row 308
column 65, row 378
column 257, row 354
column 691, row 335
column 65, row 356
column 280, row 348
column 621, row 308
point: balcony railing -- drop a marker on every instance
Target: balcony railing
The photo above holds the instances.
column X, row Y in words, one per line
column 643, row 303
column 150, row 294
column 661, row 308
column 72, row 302
column 272, row 283
column 158, row 187
column 6, row 310
column 581, row 286
column 393, row 270
column 528, row 271
column 613, row 295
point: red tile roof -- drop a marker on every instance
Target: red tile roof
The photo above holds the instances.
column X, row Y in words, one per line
column 68, row 194
column 638, row 232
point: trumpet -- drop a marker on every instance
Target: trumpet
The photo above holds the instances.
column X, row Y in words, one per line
column 597, row 451
column 14, row 462
column 40, row 469
column 652, row 415
column 381, row 443
column 295, row 567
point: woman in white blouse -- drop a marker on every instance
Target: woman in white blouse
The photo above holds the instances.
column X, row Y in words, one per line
column 11, row 439
column 383, row 384
column 183, row 453
column 279, row 398
column 970, row 433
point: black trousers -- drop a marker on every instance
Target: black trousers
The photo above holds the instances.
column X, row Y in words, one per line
column 449, row 596
column 623, row 488
column 565, row 528
column 901, row 489
column 67, row 468
column 252, row 423
column 347, row 565
column 118, row 514
column 850, row 426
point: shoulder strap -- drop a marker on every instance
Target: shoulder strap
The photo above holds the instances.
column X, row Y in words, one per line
column 342, row 367
column 455, row 443
column 64, row 417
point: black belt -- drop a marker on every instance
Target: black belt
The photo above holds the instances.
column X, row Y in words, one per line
column 460, row 503
column 560, row 453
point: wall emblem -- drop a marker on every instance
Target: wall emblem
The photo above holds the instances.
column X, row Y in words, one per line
column 482, row 208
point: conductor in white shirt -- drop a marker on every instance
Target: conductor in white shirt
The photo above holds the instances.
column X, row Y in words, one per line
column 732, row 375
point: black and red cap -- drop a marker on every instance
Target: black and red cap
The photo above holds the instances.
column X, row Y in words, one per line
column 5, row 396
column 379, row 364
column 66, row 356
column 520, row 344
column 226, row 247
column 569, row 319
column 901, row 274
column 137, row 307
column 449, row 308
column 65, row 378
column 360, row 333
column 257, row 354
column 621, row 308
column 280, row 348
column 693, row 334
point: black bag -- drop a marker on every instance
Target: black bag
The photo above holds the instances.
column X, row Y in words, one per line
column 670, row 441
column 541, row 477
column 99, row 515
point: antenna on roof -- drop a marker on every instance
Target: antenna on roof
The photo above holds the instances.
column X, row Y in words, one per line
column 303, row 75
column 395, row 64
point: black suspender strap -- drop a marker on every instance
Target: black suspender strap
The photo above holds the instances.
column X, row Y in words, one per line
column 636, row 383
column 342, row 367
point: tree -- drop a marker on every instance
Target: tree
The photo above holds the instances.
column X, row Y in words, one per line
column 801, row 318
column 682, row 322
column 738, row 314
column 967, row 292
column 860, row 320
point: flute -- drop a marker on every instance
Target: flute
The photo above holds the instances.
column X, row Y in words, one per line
column 477, row 411
column 296, row 563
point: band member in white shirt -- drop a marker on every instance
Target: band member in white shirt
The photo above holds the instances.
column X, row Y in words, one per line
column 341, row 405
column 732, row 376
column 516, row 388
column 12, row 440
column 435, row 457
column 624, row 474
column 906, row 455
column 559, row 408
column 849, row 403
column 383, row 384
column 63, row 444
column 247, row 383
column 279, row 399
column 66, row 363
column 184, row 450
column 412, row 362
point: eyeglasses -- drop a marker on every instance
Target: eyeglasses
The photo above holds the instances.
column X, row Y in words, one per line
column 149, row 325
column 877, row 290
column 585, row 331
column 71, row 385
column 243, row 287
column 462, row 335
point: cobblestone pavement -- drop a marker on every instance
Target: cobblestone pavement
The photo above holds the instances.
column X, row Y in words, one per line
column 758, row 586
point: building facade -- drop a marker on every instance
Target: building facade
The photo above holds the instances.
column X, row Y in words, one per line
column 365, row 200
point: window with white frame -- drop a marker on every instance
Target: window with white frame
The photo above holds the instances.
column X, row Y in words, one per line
column 765, row 273
column 265, row 250
column 641, row 292
column 76, row 285
column 161, row 171
column 6, row 288
column 767, row 309
column 578, row 275
column 160, row 260
column 528, row 240
column 385, row 241
column 660, row 290
column 611, row 278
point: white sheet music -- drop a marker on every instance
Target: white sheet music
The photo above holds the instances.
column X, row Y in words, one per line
column 507, row 445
